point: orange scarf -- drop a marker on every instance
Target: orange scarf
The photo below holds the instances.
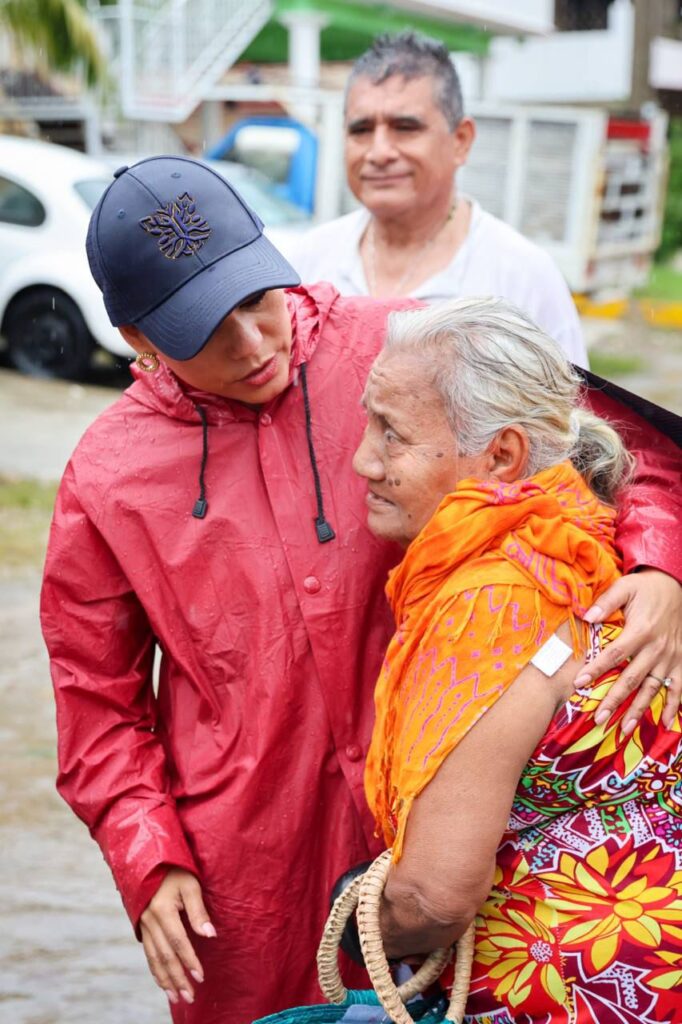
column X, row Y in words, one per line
column 488, row 580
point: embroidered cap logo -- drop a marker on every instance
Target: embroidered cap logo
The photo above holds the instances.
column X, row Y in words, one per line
column 180, row 229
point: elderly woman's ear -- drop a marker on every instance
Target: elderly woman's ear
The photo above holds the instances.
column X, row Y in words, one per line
column 508, row 454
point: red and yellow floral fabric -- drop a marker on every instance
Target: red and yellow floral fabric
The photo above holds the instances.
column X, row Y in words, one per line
column 584, row 922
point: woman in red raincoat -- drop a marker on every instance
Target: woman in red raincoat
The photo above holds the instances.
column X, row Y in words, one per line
column 213, row 512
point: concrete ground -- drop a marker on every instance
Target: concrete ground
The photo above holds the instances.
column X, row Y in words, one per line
column 67, row 950
column 657, row 352
column 41, row 421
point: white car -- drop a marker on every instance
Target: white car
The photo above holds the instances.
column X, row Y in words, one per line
column 51, row 312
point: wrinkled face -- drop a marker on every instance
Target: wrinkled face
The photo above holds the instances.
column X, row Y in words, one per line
column 408, row 453
column 247, row 357
column 400, row 151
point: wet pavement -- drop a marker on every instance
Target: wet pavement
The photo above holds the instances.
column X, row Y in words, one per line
column 41, row 421
column 658, row 375
column 67, row 952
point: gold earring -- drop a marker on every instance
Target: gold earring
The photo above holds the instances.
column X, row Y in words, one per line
column 147, row 361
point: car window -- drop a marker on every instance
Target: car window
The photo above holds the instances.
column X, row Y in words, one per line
column 273, row 211
column 254, row 188
column 266, row 148
column 19, row 206
column 91, row 190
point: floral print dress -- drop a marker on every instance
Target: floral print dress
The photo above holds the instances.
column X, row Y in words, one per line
column 584, row 922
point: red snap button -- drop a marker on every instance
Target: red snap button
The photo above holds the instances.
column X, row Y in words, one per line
column 311, row 584
column 353, row 752
column 266, row 419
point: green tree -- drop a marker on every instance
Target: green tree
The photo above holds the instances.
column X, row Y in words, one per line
column 671, row 240
column 61, row 31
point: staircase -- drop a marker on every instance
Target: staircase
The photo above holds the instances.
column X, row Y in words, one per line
column 166, row 54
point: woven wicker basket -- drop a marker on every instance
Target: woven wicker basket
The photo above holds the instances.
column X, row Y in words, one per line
column 364, row 895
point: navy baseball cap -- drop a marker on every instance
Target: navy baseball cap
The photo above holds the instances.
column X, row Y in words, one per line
column 174, row 248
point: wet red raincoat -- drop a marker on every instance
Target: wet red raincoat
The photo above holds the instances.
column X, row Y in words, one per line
column 248, row 767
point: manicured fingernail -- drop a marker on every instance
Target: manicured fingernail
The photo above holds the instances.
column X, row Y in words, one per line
column 208, row 930
column 629, row 726
column 172, row 997
column 197, row 975
column 601, row 716
column 187, row 996
column 593, row 614
column 582, row 680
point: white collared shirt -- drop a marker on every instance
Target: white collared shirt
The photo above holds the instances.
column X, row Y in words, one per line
column 493, row 260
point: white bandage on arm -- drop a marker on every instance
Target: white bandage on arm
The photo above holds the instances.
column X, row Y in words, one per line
column 551, row 656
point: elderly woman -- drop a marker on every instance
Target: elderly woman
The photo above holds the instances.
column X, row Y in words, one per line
column 487, row 773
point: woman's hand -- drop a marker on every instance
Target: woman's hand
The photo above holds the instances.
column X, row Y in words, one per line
column 651, row 641
column 169, row 952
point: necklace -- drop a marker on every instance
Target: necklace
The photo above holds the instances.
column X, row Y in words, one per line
column 372, row 253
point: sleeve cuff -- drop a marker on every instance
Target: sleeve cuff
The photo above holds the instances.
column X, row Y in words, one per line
column 140, row 843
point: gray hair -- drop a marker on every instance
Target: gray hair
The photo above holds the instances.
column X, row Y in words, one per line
column 494, row 367
column 411, row 55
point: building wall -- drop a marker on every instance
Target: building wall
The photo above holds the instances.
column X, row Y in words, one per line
column 592, row 66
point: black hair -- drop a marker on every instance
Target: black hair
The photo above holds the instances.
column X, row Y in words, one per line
column 412, row 55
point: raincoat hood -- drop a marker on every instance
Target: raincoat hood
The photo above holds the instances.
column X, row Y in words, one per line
column 164, row 392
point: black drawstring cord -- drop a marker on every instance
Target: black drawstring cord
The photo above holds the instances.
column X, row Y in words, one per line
column 201, row 505
column 323, row 529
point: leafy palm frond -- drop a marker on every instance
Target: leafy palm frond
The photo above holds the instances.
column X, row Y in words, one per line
column 60, row 30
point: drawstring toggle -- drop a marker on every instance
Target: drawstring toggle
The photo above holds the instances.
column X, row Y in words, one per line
column 323, row 530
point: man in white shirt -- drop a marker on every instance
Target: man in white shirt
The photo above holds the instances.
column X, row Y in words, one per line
column 415, row 235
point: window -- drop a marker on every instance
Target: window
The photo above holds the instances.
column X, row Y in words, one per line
column 581, row 15
column 91, row 190
column 19, row 206
column 268, row 148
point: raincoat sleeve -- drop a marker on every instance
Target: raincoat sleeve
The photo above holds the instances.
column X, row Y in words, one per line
column 112, row 769
column 650, row 510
